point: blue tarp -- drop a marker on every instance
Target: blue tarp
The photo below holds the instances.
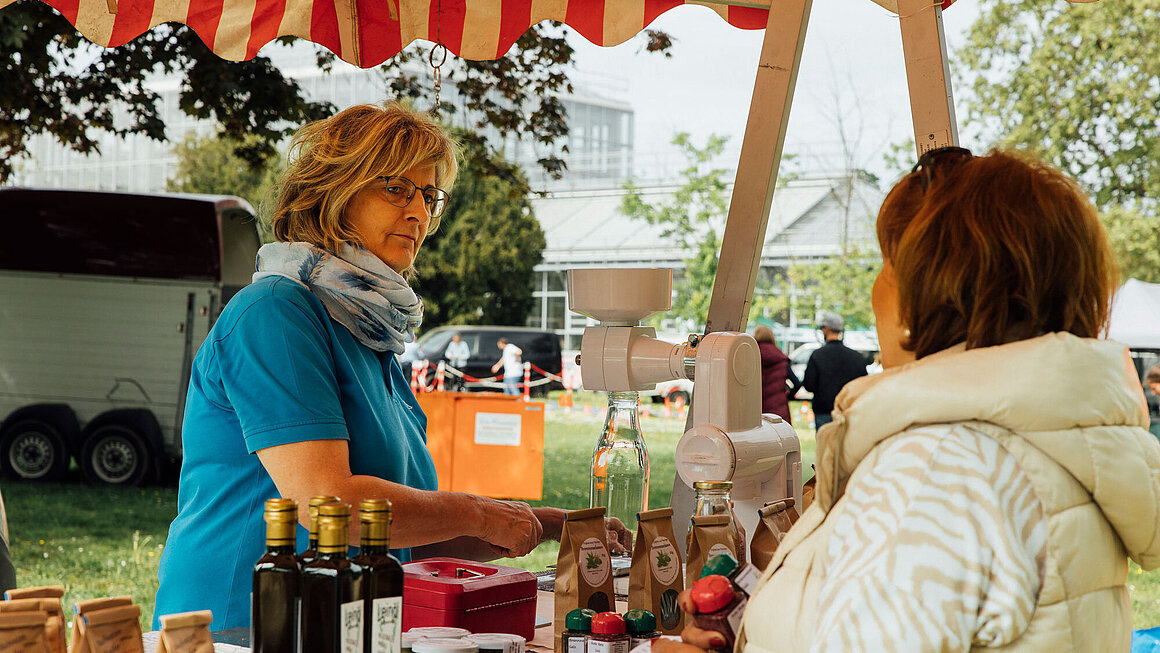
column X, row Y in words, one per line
column 1146, row 641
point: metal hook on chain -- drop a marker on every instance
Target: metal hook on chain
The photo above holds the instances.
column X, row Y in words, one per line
column 442, row 52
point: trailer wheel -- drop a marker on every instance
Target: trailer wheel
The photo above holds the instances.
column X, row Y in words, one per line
column 679, row 394
column 33, row 449
column 115, row 454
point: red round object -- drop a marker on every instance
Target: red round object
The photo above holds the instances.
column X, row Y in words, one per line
column 608, row 623
column 712, row 593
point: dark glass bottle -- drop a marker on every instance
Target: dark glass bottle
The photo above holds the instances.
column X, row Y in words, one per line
column 332, row 605
column 382, row 578
column 274, row 604
column 311, row 551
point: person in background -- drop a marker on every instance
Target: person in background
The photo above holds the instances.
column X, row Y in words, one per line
column 457, row 353
column 1153, row 381
column 778, row 382
column 297, row 390
column 513, row 366
column 986, row 490
column 830, row 368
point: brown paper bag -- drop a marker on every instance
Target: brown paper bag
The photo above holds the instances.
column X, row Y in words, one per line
column 774, row 521
column 654, row 579
column 584, row 567
column 107, row 626
column 808, row 492
column 53, row 627
column 186, row 632
column 50, row 597
column 709, row 536
column 24, row 632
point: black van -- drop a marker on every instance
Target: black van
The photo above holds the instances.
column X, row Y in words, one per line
column 541, row 349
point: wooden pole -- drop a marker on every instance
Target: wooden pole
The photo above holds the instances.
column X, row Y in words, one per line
column 781, row 52
column 932, row 105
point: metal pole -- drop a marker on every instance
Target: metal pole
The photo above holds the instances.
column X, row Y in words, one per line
column 932, row 105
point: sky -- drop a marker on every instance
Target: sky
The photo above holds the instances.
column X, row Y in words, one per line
column 852, row 66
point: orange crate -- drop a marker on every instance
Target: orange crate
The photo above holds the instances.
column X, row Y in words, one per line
column 485, row 443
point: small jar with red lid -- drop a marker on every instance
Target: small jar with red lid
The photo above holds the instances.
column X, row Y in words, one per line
column 609, row 634
column 720, row 606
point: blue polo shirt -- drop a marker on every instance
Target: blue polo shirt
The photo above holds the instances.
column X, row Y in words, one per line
column 275, row 369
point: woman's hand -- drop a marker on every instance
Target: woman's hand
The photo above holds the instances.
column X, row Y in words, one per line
column 619, row 539
column 551, row 521
column 509, row 526
column 692, row 635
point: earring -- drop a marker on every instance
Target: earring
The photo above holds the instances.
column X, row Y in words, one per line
column 906, row 333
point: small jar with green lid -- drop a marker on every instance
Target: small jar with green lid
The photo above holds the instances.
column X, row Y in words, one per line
column 642, row 627
column 577, row 627
column 744, row 576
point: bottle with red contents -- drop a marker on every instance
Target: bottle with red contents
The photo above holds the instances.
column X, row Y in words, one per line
column 720, row 606
column 608, row 634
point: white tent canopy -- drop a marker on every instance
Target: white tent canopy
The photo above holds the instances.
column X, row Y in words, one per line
column 1135, row 317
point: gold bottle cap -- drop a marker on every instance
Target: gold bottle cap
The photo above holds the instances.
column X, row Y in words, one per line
column 375, row 517
column 374, row 510
column 713, row 485
column 281, row 522
column 333, row 526
column 312, row 509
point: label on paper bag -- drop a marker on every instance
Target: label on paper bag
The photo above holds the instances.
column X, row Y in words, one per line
column 594, row 562
column 665, row 561
column 502, row 429
column 387, row 625
column 718, row 549
column 351, row 628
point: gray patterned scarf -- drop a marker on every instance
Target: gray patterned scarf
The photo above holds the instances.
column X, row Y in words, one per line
column 358, row 290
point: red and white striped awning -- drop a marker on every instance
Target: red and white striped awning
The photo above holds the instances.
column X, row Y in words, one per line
column 368, row 32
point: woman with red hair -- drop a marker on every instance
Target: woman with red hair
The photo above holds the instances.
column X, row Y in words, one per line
column 988, row 488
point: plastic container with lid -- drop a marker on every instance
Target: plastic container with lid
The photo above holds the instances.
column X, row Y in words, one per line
column 445, row 632
column 409, row 638
column 641, row 626
column 498, row 642
column 444, row 645
column 609, row 634
column 720, row 606
column 744, row 576
column 577, row 627
column 473, row 595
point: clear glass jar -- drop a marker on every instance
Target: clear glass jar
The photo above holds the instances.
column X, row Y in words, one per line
column 712, row 498
column 620, row 468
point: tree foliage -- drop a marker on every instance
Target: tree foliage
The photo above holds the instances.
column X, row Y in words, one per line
column 1135, row 239
column 478, row 268
column 46, row 87
column 211, row 165
column 53, row 81
column 1078, row 84
column 691, row 219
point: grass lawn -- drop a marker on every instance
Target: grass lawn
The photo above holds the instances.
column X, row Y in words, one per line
column 103, row 542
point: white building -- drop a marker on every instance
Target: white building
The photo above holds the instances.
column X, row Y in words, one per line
column 586, row 229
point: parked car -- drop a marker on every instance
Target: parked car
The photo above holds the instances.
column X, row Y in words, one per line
column 541, row 349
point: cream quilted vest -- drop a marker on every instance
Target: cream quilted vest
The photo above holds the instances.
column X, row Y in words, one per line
column 1072, row 413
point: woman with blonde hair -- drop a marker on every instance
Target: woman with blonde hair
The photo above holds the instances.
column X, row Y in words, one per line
column 778, row 382
column 988, row 488
column 297, row 390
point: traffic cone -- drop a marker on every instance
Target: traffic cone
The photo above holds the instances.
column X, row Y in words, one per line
column 527, row 381
column 668, row 407
column 440, row 373
column 681, row 407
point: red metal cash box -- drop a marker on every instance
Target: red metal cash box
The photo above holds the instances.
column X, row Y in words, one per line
column 480, row 597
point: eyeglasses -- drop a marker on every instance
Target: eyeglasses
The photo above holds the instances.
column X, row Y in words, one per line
column 399, row 191
column 940, row 157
